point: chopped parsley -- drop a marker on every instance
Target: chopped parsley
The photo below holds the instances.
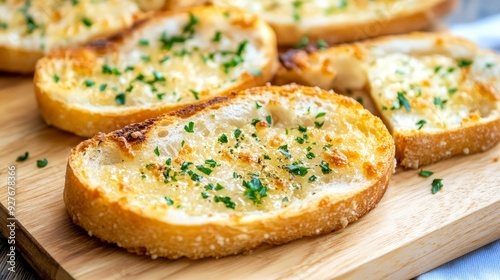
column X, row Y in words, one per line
column 257, row 105
column 420, row 124
column 297, row 169
column 103, row 87
column 189, row 128
column 299, row 140
column 325, row 167
column 269, row 120
column 452, row 91
column 204, row 194
column 425, row 173
column 319, row 124
column 219, row 187
column 204, row 169
column 144, row 42
column 464, row 63
column 212, row 163
column 312, row 178
column 168, row 161
column 440, row 102
column 284, row 150
column 169, row 200
column 255, row 121
column 110, row 70
column 402, row 101
column 120, row 99
column 266, row 156
column 437, row 184
column 195, row 94
column 88, row 83
column 41, row 163
column 310, row 155
column 321, row 44
column 226, row 200
column 304, row 41
column 157, row 152
column 217, row 36
column 296, row 7
column 255, row 190
column 23, row 157
column 223, row 139
column 319, row 115
column 87, row 22
column 237, row 133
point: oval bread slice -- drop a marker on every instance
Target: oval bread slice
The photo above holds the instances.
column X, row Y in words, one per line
column 30, row 29
column 438, row 94
column 168, row 61
column 266, row 165
column 337, row 21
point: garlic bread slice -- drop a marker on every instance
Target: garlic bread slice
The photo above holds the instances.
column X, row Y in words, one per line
column 168, row 61
column 31, row 28
column 438, row 94
column 266, row 165
column 336, row 21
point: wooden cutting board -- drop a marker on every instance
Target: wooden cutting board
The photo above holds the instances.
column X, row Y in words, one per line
column 410, row 232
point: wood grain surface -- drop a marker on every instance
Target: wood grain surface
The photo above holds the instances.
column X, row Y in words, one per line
column 410, row 232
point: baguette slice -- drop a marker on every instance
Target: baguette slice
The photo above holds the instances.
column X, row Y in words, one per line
column 30, row 29
column 266, row 165
column 170, row 5
column 339, row 21
column 438, row 94
column 168, row 61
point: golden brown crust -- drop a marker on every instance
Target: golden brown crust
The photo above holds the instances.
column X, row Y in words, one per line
column 18, row 60
column 141, row 233
column 415, row 150
column 84, row 122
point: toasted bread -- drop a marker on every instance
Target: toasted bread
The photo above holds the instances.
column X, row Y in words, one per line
column 342, row 20
column 168, row 61
column 438, row 94
column 30, row 29
column 170, row 5
column 266, row 165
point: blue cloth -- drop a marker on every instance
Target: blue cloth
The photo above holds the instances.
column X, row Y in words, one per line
column 483, row 263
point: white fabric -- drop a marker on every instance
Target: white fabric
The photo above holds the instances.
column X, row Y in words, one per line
column 485, row 32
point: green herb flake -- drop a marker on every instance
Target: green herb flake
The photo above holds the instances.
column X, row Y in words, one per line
column 266, row 156
column 255, row 121
column 204, row 194
column 217, row 36
column 319, row 124
column 41, row 163
column 425, row 173
column 120, row 99
column 440, row 102
column 212, row 163
column 56, row 78
column 304, row 41
column 437, row 184
column 312, row 178
column 420, row 124
column 319, row 115
column 219, row 187
column 255, row 72
column 165, row 59
column 452, row 91
column 157, row 151
column 403, row 101
column 144, row 42
column 195, row 94
column 87, row 22
column 169, row 200
column 168, row 161
column 23, row 157
column 325, row 167
column 297, row 169
column 103, row 87
column 284, row 150
column 321, row 44
column 299, row 140
column 269, row 120
column 209, row 187
column 257, row 105
column 223, row 139
column 189, row 128
column 204, row 169
column 226, row 200
column 88, row 83
column 237, row 133
column 310, row 155
column 255, row 190
column 464, row 63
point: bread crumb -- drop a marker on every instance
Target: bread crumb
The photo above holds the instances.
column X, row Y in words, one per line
column 466, row 151
column 496, row 159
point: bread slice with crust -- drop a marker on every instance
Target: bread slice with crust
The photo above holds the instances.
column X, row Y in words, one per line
column 168, row 61
column 29, row 29
column 338, row 21
column 170, row 5
column 266, row 165
column 438, row 94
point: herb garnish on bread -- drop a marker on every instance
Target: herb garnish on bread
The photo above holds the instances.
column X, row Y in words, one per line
column 267, row 165
column 31, row 28
column 168, row 61
column 438, row 94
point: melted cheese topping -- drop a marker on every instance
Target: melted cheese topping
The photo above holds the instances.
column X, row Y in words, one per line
column 286, row 152
column 433, row 92
column 48, row 24
column 316, row 11
column 178, row 59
